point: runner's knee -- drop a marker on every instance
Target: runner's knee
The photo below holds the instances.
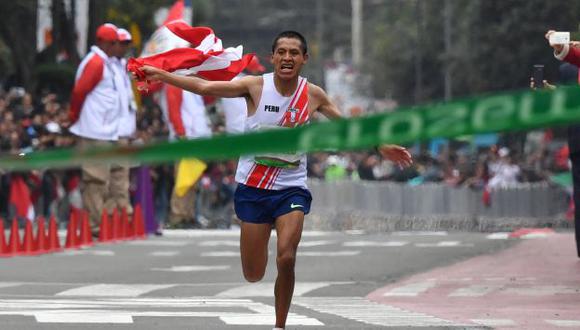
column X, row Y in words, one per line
column 286, row 260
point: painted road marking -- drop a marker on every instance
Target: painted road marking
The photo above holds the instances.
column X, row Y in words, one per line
column 220, row 243
column 223, row 254
column 164, row 253
column 495, row 322
column 499, row 235
column 419, row 233
column 380, row 244
column 153, row 242
column 114, row 290
column 315, row 243
column 411, row 290
column 184, row 269
column 344, row 253
column 565, row 323
column 544, row 290
column 186, row 233
column 100, row 253
column 266, row 289
column 362, row 310
column 443, row 244
column 476, row 290
column 112, row 310
column 9, row 284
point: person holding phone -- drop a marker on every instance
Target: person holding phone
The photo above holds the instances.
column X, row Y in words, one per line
column 569, row 51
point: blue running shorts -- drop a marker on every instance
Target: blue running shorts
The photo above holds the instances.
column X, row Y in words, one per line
column 257, row 205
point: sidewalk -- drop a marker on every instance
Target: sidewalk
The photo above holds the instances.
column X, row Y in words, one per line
column 533, row 285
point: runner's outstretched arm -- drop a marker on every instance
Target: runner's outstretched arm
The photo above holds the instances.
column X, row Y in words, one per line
column 235, row 88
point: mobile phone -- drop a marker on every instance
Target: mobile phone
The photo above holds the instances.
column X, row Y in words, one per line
column 538, row 76
column 559, row 38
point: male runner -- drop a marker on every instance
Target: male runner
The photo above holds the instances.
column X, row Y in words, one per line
column 272, row 189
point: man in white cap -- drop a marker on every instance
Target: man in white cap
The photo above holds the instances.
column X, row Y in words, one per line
column 94, row 115
column 118, row 195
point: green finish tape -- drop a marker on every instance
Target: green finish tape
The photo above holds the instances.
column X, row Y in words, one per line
column 492, row 113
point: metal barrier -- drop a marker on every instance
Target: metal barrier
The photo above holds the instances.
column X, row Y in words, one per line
column 537, row 200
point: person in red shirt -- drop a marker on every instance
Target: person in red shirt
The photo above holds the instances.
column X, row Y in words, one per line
column 94, row 115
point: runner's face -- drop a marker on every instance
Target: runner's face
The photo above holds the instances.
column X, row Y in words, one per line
column 288, row 58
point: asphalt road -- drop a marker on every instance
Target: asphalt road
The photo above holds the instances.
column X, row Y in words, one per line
column 192, row 280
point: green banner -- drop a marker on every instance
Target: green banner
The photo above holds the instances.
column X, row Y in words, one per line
column 493, row 113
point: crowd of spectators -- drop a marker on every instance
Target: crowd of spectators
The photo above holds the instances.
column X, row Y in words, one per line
column 33, row 123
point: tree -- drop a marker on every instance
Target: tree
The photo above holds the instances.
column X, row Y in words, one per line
column 20, row 40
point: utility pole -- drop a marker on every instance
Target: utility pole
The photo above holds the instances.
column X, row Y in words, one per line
column 418, row 52
column 320, row 25
column 356, row 32
column 447, row 17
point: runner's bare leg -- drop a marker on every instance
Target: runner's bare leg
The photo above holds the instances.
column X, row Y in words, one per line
column 289, row 231
column 254, row 249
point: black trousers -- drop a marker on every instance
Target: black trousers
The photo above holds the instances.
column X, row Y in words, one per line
column 574, row 144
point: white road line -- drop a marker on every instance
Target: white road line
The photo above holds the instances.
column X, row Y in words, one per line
column 379, row 244
column 411, row 290
column 362, row 310
column 355, row 232
column 184, row 269
column 158, row 242
column 419, row 233
column 9, row 284
column 223, row 254
column 100, row 253
column 186, row 233
column 476, row 290
column 164, row 253
column 220, row 243
column 266, row 289
column 544, row 290
column 346, row 253
column 443, row 244
column 565, row 323
column 499, row 235
column 114, row 290
column 495, row 322
column 315, row 243
column 535, row 235
column 123, row 311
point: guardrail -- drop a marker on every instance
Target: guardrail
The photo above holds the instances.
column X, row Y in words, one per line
column 537, row 200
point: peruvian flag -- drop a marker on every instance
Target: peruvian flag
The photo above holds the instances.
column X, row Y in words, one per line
column 20, row 198
column 205, row 57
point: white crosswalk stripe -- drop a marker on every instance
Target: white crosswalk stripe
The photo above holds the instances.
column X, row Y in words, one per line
column 495, row 322
column 369, row 312
column 378, row 244
column 265, row 289
column 196, row 268
column 124, row 310
column 113, row 290
column 411, row 290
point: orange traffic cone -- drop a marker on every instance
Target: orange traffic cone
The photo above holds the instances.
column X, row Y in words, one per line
column 14, row 245
column 124, row 224
column 3, row 247
column 53, row 240
column 116, row 223
column 71, row 232
column 28, row 241
column 41, row 244
column 138, row 223
column 105, row 228
column 86, row 235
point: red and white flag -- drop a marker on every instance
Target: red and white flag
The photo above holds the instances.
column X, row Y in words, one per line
column 205, row 57
column 20, row 198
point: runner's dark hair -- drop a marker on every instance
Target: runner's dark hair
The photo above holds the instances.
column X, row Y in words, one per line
column 292, row 35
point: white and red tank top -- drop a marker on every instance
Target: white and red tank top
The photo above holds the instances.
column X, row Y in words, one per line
column 281, row 111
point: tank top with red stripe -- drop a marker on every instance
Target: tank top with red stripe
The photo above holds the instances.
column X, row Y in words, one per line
column 276, row 110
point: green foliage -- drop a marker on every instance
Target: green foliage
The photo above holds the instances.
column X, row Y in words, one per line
column 494, row 45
